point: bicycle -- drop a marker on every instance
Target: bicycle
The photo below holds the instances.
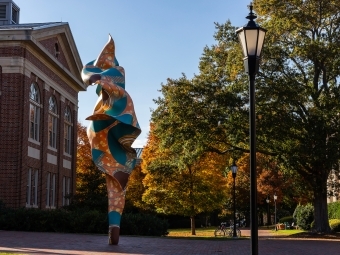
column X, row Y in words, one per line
column 221, row 230
column 231, row 231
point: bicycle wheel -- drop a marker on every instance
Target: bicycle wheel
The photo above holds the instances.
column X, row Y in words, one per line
column 219, row 232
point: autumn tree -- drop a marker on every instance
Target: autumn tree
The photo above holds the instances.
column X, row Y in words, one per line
column 181, row 187
column 90, row 182
column 271, row 179
column 135, row 190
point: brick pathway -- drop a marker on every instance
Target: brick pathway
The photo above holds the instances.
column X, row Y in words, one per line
column 83, row 244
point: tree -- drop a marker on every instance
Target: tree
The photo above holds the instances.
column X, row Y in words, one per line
column 135, row 190
column 271, row 179
column 175, row 186
column 297, row 97
column 298, row 92
column 90, row 182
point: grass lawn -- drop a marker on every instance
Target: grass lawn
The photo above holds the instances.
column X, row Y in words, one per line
column 10, row 253
column 201, row 233
column 208, row 233
column 287, row 232
column 186, row 232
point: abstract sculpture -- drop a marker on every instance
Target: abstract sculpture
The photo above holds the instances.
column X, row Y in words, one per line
column 112, row 130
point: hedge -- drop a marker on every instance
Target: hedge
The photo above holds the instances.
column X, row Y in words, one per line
column 78, row 221
column 334, row 210
column 335, row 225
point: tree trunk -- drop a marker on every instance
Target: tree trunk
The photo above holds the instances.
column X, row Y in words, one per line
column 193, row 228
column 320, row 209
column 261, row 219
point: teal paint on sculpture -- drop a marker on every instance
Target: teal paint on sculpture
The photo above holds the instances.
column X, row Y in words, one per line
column 120, row 106
column 99, row 125
column 114, row 218
column 113, row 128
column 96, row 154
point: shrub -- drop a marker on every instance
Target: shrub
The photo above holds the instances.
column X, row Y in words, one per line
column 334, row 210
column 289, row 219
column 143, row 224
column 78, row 221
column 335, row 224
column 304, row 216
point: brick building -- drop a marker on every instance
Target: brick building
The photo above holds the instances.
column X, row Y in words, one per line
column 39, row 84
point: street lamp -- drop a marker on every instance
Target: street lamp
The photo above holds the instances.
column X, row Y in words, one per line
column 251, row 38
column 268, row 214
column 234, row 171
column 275, row 197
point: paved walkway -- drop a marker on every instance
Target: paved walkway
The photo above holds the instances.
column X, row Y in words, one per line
column 83, row 244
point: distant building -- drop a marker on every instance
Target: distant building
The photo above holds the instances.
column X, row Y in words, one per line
column 39, row 84
column 139, row 152
column 333, row 184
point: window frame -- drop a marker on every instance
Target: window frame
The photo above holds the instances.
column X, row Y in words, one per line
column 68, row 131
column 34, row 113
column 32, row 188
column 52, row 122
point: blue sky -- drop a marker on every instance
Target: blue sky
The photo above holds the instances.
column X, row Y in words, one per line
column 155, row 40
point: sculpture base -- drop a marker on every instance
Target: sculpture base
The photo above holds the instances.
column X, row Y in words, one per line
column 114, row 235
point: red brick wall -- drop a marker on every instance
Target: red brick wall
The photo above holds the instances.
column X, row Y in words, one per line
column 14, row 133
column 11, row 136
column 50, row 45
column 34, row 60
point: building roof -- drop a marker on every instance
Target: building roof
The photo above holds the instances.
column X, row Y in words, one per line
column 32, row 26
column 33, row 33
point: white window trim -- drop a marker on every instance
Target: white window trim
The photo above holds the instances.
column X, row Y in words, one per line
column 48, row 186
column 53, row 190
column 67, row 155
column 36, row 115
column 68, row 186
column 28, row 187
column 33, row 141
column 51, row 148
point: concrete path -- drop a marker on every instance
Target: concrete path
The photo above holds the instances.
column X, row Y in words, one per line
column 83, row 244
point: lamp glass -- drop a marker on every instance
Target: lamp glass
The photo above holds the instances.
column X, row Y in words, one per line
column 275, row 196
column 267, row 200
column 260, row 42
column 242, row 39
column 251, row 40
column 234, row 168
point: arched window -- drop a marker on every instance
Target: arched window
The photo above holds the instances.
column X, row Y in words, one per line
column 52, row 122
column 34, row 118
column 67, row 130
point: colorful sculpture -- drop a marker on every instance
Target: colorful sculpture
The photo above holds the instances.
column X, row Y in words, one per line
column 113, row 129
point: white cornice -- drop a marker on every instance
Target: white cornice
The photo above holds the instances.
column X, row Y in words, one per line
column 31, row 36
column 19, row 65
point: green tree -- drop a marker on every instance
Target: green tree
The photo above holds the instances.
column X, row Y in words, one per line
column 297, row 97
column 298, row 91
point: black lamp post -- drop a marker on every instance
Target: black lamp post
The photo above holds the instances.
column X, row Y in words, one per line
column 234, row 171
column 268, row 214
column 275, row 197
column 251, row 38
